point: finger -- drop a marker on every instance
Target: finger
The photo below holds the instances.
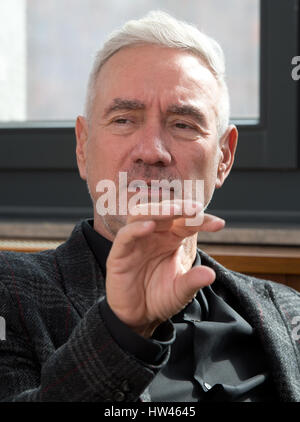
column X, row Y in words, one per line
column 188, row 284
column 207, row 223
column 165, row 210
column 212, row 223
column 127, row 236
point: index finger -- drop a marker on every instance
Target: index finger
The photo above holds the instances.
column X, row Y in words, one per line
column 164, row 210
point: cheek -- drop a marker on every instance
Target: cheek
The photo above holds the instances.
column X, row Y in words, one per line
column 98, row 156
column 204, row 166
column 96, row 171
column 103, row 164
column 203, row 162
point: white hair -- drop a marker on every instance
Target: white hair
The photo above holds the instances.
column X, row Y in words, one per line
column 160, row 28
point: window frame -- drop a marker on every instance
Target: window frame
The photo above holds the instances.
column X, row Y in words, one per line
column 260, row 145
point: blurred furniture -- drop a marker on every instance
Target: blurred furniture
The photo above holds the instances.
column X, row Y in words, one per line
column 277, row 263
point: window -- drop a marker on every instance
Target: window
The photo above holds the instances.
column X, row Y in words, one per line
column 43, row 91
column 47, row 50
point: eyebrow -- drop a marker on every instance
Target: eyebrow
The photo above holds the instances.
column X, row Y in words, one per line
column 188, row 110
column 123, row 104
column 182, row 110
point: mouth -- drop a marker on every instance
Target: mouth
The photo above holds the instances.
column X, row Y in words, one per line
column 148, row 187
column 150, row 192
column 139, row 184
column 152, row 184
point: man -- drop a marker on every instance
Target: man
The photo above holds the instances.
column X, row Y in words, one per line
column 128, row 309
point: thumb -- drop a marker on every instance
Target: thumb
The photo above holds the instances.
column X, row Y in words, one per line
column 188, row 284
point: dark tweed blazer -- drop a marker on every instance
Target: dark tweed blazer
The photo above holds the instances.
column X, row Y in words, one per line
column 58, row 348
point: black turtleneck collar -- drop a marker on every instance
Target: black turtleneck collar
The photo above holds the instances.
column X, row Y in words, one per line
column 99, row 245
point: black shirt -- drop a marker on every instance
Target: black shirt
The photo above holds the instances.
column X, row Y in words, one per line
column 215, row 353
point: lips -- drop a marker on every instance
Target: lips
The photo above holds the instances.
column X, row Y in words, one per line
column 152, row 186
column 139, row 184
column 149, row 189
column 152, row 194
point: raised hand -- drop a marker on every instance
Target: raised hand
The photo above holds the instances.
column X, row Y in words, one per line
column 149, row 275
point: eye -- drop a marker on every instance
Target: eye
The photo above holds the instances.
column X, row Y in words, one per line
column 121, row 121
column 183, row 126
column 184, row 129
column 123, row 125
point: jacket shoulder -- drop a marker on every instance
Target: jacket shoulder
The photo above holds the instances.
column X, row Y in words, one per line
column 21, row 265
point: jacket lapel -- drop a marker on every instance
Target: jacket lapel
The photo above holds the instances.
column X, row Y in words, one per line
column 78, row 269
column 258, row 300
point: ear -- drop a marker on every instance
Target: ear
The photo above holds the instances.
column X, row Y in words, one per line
column 81, row 131
column 228, row 143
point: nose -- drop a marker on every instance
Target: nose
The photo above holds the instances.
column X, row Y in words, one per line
column 151, row 147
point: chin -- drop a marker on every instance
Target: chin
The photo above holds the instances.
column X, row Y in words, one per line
column 113, row 223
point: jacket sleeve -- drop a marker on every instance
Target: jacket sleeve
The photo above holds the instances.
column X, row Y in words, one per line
column 90, row 366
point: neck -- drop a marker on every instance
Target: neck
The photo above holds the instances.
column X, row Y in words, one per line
column 104, row 229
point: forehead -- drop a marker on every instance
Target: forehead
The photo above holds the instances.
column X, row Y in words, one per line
column 154, row 73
